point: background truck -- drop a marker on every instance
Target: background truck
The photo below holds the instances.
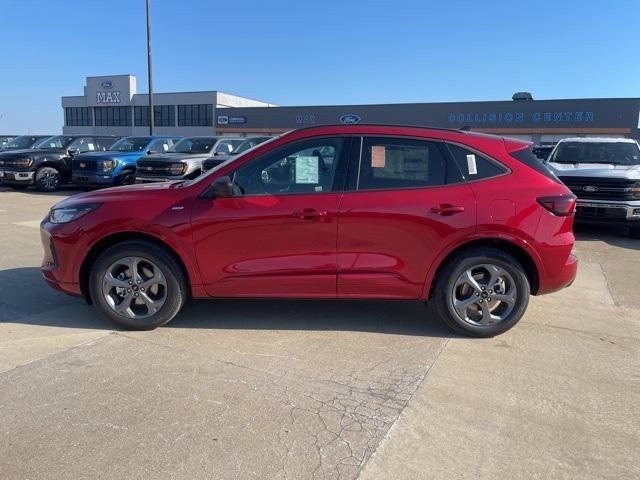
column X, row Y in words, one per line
column 604, row 173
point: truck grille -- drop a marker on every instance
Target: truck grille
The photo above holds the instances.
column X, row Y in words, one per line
column 85, row 165
column 11, row 161
column 600, row 188
column 150, row 168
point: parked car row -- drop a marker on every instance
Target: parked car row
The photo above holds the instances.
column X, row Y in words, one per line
column 47, row 162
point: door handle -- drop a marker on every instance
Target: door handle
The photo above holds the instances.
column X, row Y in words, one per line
column 446, row 209
column 308, row 214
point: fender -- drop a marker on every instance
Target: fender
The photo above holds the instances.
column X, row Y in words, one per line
column 484, row 235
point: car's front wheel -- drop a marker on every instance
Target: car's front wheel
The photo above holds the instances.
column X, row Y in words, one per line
column 48, row 179
column 138, row 285
column 481, row 292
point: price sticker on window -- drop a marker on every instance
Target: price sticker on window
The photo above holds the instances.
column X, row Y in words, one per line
column 378, row 156
column 471, row 165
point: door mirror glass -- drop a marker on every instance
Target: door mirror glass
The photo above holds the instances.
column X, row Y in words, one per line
column 151, row 152
column 222, row 187
column 73, row 151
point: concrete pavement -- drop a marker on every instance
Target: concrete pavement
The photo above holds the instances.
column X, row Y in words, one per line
column 247, row 389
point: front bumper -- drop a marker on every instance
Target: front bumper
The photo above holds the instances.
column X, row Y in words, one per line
column 21, row 178
column 602, row 211
column 94, row 179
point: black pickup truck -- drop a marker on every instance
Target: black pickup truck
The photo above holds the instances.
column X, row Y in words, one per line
column 48, row 164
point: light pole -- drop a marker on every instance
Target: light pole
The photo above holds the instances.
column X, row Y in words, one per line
column 149, row 74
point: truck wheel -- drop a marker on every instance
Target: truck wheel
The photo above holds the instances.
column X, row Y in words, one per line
column 128, row 178
column 138, row 285
column 481, row 292
column 47, row 179
column 634, row 232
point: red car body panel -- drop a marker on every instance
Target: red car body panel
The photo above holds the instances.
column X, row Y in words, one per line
column 352, row 244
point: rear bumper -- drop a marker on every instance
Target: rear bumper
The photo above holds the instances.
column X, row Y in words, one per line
column 19, row 178
column 563, row 279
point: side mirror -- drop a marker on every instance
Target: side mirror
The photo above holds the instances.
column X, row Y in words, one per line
column 222, row 187
column 73, row 151
column 151, row 152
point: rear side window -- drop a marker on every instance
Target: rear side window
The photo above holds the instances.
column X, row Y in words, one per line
column 473, row 165
column 527, row 157
column 394, row 163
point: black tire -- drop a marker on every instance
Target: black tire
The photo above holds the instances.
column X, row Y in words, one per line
column 19, row 187
column 48, row 179
column 634, row 232
column 176, row 285
column 443, row 293
column 128, row 177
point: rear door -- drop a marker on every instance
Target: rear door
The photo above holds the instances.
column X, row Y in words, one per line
column 406, row 201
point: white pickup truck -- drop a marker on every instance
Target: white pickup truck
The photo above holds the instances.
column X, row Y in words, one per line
column 604, row 173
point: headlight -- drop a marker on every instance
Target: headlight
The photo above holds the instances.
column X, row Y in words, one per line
column 66, row 215
column 24, row 162
column 635, row 189
column 177, row 168
column 108, row 165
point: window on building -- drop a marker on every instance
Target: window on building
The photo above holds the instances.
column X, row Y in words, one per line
column 78, row 116
column 112, row 116
column 389, row 163
column 163, row 116
column 195, row 115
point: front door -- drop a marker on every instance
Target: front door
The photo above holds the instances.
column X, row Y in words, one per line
column 406, row 202
column 277, row 236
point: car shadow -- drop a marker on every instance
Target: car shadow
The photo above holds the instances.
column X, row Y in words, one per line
column 35, row 303
column 611, row 234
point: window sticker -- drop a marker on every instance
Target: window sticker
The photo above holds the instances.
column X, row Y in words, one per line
column 165, row 147
column 90, row 146
column 471, row 164
column 307, row 170
column 378, row 156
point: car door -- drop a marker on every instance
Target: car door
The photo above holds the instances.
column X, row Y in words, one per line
column 277, row 236
column 406, row 201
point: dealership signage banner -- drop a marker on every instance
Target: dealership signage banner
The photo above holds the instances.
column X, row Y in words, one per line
column 231, row 120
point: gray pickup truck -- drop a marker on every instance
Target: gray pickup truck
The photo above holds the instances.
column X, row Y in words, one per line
column 184, row 160
column 604, row 173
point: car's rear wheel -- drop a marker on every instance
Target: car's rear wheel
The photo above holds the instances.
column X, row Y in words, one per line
column 47, row 179
column 138, row 285
column 481, row 292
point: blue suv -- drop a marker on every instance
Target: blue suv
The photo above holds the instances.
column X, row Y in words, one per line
column 116, row 166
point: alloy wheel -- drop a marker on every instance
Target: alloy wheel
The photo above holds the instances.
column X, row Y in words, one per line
column 484, row 294
column 134, row 287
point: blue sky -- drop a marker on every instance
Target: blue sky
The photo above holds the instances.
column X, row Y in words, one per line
column 317, row 52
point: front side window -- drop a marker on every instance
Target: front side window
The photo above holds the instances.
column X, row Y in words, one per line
column 226, row 146
column 303, row 168
column 160, row 146
column 396, row 163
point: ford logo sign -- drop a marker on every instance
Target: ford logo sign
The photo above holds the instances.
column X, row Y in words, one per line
column 149, row 169
column 107, row 84
column 350, row 119
column 590, row 188
column 82, row 165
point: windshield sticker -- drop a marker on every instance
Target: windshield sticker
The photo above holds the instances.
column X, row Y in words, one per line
column 378, row 156
column 307, row 170
column 471, row 164
column 90, row 146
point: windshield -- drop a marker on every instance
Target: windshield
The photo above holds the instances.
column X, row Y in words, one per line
column 51, row 143
column 24, row 141
column 130, row 144
column 249, row 143
column 618, row 153
column 193, row 145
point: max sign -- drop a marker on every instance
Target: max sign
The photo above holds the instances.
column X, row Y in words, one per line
column 107, row 97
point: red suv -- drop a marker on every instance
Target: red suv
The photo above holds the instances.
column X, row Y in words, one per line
column 475, row 223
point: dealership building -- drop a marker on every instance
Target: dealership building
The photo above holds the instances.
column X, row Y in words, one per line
column 110, row 105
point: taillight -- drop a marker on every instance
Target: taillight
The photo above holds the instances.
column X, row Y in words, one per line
column 561, row 205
